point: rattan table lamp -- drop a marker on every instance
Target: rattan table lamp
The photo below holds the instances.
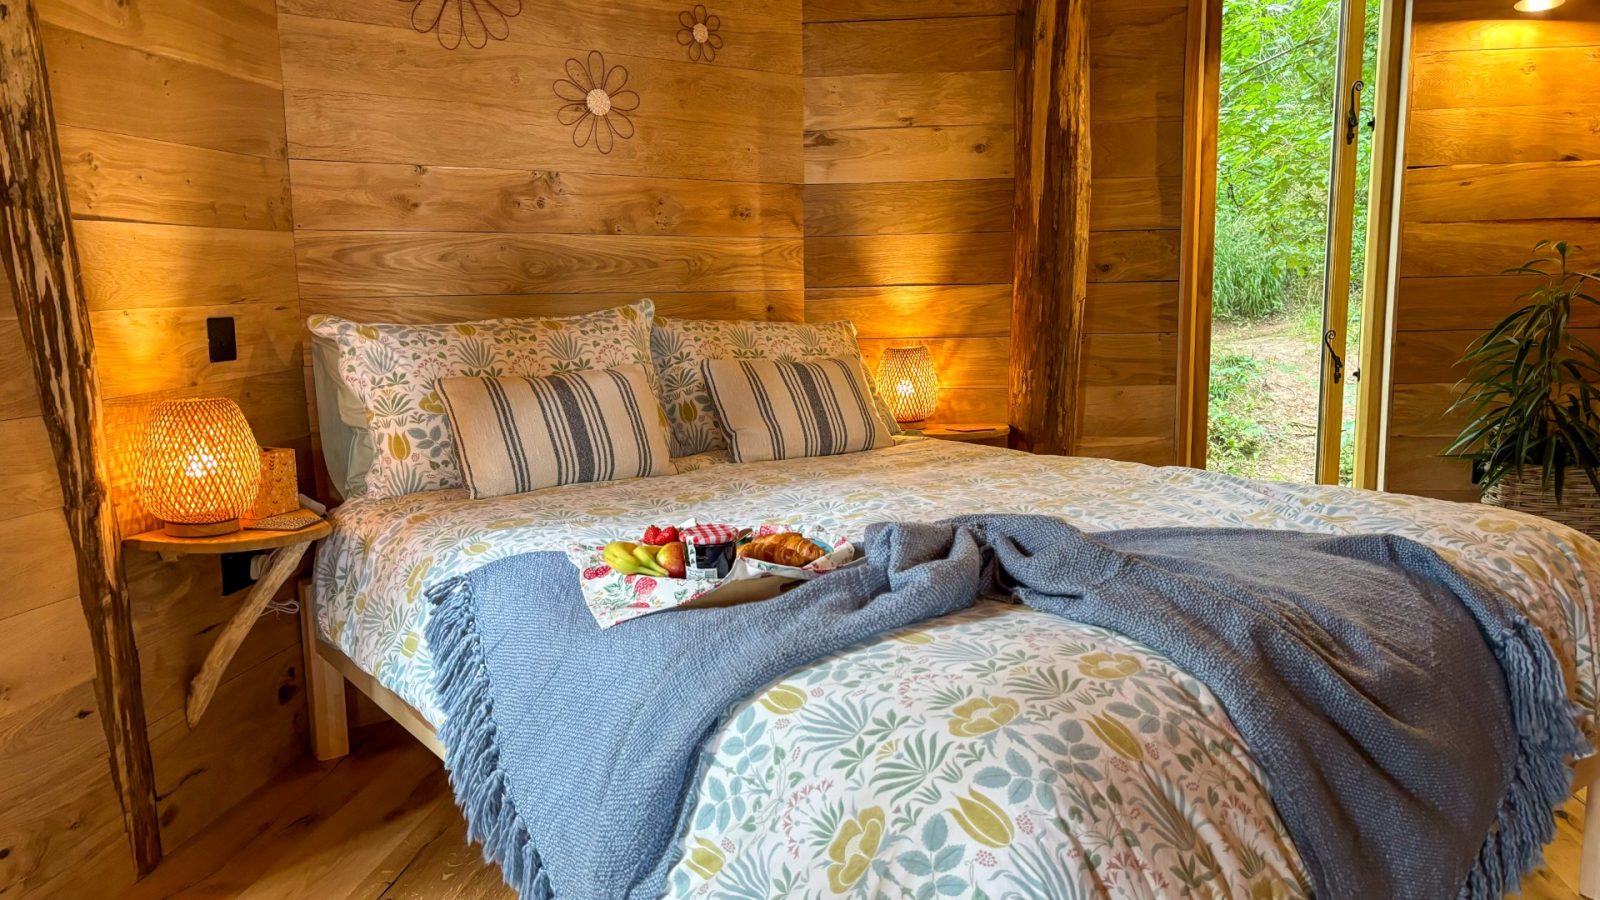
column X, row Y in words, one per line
column 908, row 383
column 201, row 467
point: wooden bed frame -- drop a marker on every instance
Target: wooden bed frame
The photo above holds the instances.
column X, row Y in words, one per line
column 328, row 668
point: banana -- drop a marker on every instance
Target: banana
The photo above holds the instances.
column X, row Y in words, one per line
column 647, row 560
column 619, row 556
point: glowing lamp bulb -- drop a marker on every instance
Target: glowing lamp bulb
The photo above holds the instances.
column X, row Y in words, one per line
column 1537, row 5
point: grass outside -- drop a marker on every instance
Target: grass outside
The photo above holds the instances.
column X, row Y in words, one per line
column 1265, row 382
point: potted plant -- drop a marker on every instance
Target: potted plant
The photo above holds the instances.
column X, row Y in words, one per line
column 1531, row 395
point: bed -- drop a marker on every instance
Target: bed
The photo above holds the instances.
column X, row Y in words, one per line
column 1072, row 762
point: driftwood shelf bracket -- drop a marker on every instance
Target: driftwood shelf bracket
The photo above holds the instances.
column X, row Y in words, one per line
column 41, row 269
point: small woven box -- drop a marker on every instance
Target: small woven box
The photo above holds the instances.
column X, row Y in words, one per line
column 280, row 487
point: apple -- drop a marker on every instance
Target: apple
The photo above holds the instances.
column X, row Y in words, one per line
column 672, row 558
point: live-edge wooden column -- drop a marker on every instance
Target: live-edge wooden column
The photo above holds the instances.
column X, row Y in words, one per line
column 1050, row 224
column 41, row 266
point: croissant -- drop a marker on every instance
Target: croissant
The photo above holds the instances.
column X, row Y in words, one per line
column 788, row 548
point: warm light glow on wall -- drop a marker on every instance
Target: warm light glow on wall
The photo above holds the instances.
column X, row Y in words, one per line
column 201, row 466
column 1537, row 5
column 908, row 383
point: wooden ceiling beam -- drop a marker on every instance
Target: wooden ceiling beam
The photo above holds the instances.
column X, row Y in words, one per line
column 1050, row 224
column 41, row 267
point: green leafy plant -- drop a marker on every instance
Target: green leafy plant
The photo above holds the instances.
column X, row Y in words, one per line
column 1237, row 390
column 1530, row 393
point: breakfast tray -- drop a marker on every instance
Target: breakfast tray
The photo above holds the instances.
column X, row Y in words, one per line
column 614, row 598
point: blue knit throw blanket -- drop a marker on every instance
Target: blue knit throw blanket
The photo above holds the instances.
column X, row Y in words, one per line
column 1413, row 726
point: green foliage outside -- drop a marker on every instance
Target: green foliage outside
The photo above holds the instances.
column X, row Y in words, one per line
column 1236, row 435
column 1275, row 143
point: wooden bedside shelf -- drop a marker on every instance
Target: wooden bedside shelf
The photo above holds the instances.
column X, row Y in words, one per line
column 287, row 548
column 242, row 541
column 975, row 432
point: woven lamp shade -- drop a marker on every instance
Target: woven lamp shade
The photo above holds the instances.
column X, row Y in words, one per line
column 201, row 466
column 908, row 383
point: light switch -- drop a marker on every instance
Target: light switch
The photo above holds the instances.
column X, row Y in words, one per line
column 220, row 339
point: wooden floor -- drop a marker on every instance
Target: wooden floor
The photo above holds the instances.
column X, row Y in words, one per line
column 381, row 824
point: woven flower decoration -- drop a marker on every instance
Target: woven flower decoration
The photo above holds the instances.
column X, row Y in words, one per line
column 596, row 107
column 472, row 21
column 699, row 33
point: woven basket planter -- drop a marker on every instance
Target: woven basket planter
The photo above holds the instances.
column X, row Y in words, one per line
column 1524, row 491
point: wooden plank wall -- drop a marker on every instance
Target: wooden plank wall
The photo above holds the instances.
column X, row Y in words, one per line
column 171, row 129
column 908, row 154
column 433, row 184
column 1502, row 150
column 61, row 832
column 909, row 133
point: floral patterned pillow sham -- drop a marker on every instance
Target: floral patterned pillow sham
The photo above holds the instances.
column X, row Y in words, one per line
column 681, row 345
column 395, row 370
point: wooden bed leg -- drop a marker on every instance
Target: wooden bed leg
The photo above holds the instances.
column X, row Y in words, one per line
column 1588, row 775
column 330, row 730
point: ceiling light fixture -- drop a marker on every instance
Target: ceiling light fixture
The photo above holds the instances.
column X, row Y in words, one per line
column 1537, row 5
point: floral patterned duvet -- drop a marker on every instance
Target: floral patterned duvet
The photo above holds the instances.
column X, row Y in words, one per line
column 998, row 752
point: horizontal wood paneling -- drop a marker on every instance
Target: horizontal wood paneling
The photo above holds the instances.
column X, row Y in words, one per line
column 1555, row 77
column 965, row 362
column 908, row 163
column 1133, row 256
column 908, row 207
column 118, row 176
column 19, row 398
column 980, row 310
column 940, row 258
column 239, row 38
column 1454, row 249
column 138, row 265
column 937, row 153
column 432, row 184
column 1486, row 193
column 906, row 99
column 1503, row 144
column 110, row 87
column 778, row 305
column 1497, row 135
column 867, row 10
column 1132, row 307
column 173, row 141
column 1443, row 25
column 1440, row 304
column 760, row 34
column 377, row 197
column 930, row 45
column 1130, row 359
column 27, row 469
column 339, row 125
column 343, row 264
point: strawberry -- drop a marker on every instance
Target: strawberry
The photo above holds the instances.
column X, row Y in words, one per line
column 669, row 534
column 652, row 535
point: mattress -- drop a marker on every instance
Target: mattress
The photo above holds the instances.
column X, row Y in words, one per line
column 998, row 749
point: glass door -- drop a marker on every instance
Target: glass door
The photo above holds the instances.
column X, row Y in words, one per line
column 1290, row 231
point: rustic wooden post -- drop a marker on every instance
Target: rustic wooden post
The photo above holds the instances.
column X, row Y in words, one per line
column 41, row 267
column 1050, row 224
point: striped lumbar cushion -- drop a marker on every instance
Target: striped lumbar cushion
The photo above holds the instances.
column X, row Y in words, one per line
column 518, row 434
column 771, row 409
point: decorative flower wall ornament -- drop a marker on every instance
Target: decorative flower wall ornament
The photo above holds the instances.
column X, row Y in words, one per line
column 472, row 21
column 699, row 33
column 596, row 107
